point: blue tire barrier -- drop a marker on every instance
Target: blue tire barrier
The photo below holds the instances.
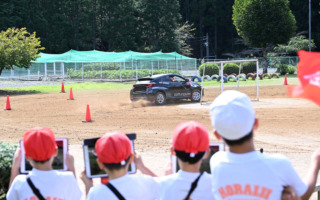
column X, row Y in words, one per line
column 242, row 76
column 196, row 77
column 225, row 80
column 215, row 76
column 232, row 77
column 207, row 77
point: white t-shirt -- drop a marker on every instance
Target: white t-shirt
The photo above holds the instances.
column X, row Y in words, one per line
column 176, row 186
column 252, row 175
column 129, row 186
column 51, row 184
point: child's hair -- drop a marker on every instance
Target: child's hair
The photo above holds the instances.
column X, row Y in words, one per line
column 185, row 157
column 116, row 166
column 41, row 162
column 239, row 141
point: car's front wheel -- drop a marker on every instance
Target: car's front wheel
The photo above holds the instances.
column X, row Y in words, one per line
column 160, row 98
column 196, row 95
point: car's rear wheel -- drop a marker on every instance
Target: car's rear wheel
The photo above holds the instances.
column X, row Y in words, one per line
column 196, row 95
column 160, row 98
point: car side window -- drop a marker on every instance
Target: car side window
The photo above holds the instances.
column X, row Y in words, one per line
column 178, row 79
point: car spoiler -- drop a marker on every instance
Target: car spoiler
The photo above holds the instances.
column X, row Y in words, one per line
column 145, row 79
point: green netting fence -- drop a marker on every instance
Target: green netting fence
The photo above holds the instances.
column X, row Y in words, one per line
column 98, row 65
column 118, row 66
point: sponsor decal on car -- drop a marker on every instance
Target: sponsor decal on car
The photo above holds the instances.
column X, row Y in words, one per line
column 181, row 94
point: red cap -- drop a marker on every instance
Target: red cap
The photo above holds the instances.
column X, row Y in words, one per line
column 190, row 137
column 39, row 143
column 113, row 148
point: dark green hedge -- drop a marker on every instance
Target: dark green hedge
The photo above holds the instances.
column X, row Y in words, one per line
column 231, row 68
column 115, row 74
column 249, row 67
column 6, row 156
column 211, row 69
column 282, row 69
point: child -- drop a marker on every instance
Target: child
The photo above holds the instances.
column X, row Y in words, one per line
column 190, row 143
column 242, row 172
column 40, row 150
column 114, row 155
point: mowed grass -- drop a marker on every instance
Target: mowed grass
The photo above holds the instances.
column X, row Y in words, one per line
column 78, row 86
column 81, row 86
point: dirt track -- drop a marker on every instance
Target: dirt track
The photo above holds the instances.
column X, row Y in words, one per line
column 287, row 126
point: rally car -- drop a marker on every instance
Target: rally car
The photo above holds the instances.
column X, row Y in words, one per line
column 161, row 87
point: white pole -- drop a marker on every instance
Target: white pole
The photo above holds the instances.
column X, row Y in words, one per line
column 82, row 70
column 167, row 66
column 136, row 72
column 238, row 77
column 28, row 73
column 120, row 73
column 152, row 67
column 222, row 80
column 257, row 64
column 62, row 70
column 54, row 68
column 45, row 70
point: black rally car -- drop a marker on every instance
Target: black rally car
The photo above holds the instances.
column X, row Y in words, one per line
column 158, row 88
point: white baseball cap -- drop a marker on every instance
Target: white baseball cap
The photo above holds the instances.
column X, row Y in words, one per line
column 232, row 115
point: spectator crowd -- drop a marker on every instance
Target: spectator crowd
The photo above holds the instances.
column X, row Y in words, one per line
column 241, row 172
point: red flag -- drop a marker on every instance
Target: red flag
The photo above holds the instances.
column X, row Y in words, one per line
column 309, row 76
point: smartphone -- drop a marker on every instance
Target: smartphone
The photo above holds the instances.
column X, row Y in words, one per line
column 205, row 166
column 58, row 162
column 90, row 159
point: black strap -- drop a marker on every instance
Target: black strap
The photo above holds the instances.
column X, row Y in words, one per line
column 115, row 191
column 35, row 190
column 193, row 186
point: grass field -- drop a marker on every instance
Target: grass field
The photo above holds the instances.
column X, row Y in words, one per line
column 82, row 86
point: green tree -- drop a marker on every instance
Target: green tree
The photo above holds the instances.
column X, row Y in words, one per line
column 185, row 33
column 160, row 19
column 18, row 48
column 260, row 23
column 295, row 44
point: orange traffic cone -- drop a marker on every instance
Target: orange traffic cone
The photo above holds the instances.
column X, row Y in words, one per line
column 285, row 80
column 71, row 95
column 8, row 107
column 62, row 88
column 88, row 116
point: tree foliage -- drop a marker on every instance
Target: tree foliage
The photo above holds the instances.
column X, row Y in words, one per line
column 18, row 48
column 263, row 22
column 184, row 34
column 294, row 45
column 260, row 23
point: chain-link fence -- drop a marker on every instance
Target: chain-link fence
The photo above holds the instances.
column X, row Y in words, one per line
column 123, row 71
column 107, row 71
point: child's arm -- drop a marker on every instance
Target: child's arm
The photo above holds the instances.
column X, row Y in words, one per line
column 70, row 163
column 140, row 165
column 312, row 175
column 15, row 165
column 87, row 181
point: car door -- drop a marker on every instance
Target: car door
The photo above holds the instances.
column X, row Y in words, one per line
column 182, row 88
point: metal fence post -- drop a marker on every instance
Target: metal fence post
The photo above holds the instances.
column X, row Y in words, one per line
column 82, row 70
column 54, row 68
column 45, row 70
